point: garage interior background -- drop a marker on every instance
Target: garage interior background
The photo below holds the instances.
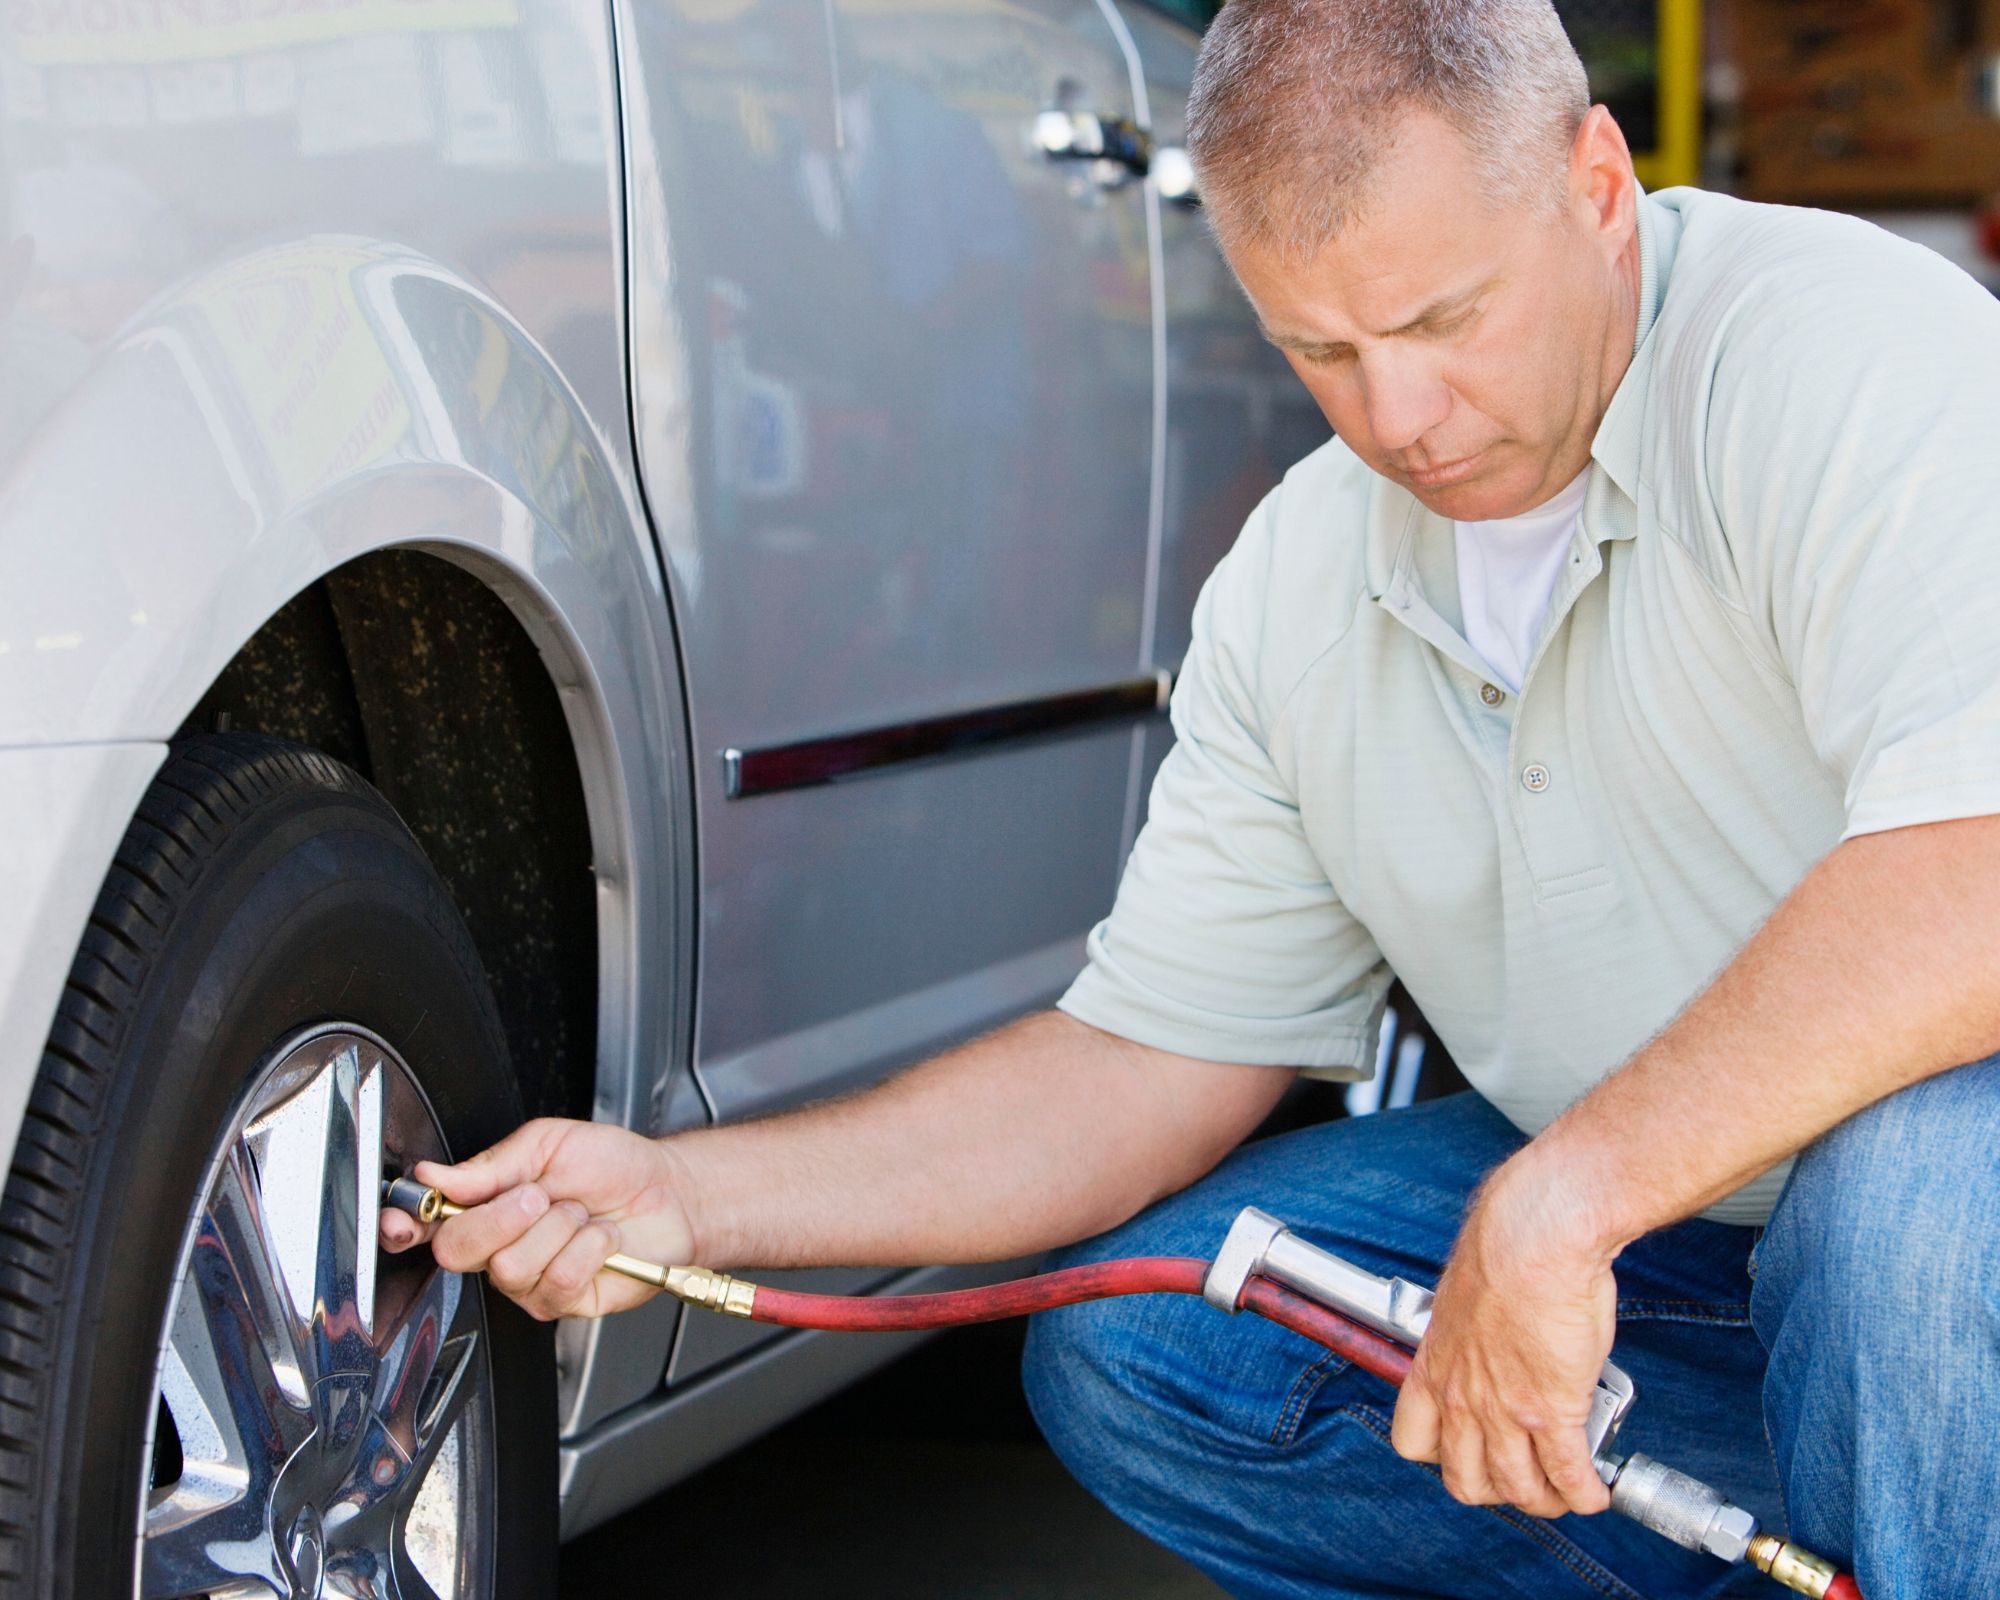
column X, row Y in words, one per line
column 1886, row 108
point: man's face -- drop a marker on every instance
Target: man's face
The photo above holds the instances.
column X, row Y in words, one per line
column 1464, row 350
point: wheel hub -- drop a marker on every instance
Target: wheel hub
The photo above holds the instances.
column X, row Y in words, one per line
column 330, row 1402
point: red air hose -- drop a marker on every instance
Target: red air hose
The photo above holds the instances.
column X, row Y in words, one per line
column 1105, row 1280
column 1099, row 1280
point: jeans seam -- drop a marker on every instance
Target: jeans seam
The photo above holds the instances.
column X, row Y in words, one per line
column 1735, row 1314
column 1536, row 1529
column 1307, row 1384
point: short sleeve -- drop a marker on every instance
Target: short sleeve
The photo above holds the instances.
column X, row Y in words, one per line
column 1226, row 941
column 1854, row 456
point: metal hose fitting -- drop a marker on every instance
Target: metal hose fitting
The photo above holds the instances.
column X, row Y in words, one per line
column 716, row 1291
column 1794, row 1567
column 1681, row 1508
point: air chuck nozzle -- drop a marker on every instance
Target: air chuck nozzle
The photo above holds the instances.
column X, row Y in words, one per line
column 406, row 1194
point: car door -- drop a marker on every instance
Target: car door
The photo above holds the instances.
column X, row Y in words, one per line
column 893, row 395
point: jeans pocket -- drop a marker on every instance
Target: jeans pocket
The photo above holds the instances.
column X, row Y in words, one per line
column 1299, row 1398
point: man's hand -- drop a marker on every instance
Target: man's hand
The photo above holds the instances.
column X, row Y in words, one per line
column 1520, row 1330
column 547, row 1204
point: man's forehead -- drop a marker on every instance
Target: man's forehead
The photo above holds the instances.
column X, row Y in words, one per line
column 1428, row 232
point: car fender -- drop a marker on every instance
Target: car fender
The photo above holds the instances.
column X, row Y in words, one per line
column 251, row 430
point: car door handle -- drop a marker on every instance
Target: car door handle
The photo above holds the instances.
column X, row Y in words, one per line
column 1124, row 148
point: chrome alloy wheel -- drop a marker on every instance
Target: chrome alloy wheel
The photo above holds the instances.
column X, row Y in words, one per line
column 322, row 1421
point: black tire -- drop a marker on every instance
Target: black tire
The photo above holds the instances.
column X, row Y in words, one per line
column 261, row 888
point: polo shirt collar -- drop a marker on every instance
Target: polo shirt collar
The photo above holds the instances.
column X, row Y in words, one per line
column 1622, row 431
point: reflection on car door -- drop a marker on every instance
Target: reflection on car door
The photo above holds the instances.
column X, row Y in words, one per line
column 893, row 391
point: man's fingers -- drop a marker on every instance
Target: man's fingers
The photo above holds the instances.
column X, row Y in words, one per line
column 566, row 1281
column 399, row 1230
column 469, row 1242
column 519, row 1158
column 1517, row 1476
column 1462, row 1460
column 517, row 1269
column 1565, row 1462
column 1413, row 1431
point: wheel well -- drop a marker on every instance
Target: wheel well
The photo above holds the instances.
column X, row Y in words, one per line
column 413, row 672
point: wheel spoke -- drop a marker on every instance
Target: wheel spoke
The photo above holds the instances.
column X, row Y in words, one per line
column 430, row 1370
column 235, row 1343
column 321, row 1152
column 440, row 1530
column 425, row 1355
column 221, row 1551
column 432, row 1367
column 454, row 1383
column 231, row 1377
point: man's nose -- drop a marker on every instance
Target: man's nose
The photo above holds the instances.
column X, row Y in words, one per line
column 1405, row 400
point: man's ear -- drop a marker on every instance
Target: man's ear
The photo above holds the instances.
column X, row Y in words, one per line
column 1604, row 191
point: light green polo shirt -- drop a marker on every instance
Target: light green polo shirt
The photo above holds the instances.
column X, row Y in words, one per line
column 1779, row 627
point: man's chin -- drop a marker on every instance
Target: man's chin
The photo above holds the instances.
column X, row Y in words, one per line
column 1477, row 499
column 1481, row 495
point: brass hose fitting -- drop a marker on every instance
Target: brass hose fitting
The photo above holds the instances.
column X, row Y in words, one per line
column 698, row 1286
column 1791, row 1565
column 717, row 1291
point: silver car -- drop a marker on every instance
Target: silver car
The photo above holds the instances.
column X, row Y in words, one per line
column 611, row 562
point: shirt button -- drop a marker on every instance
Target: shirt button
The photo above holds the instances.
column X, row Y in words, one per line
column 1491, row 694
column 1535, row 778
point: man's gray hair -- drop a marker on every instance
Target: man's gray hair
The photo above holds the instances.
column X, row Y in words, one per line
column 1295, row 102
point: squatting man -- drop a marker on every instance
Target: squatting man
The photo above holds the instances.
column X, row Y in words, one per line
column 1624, row 677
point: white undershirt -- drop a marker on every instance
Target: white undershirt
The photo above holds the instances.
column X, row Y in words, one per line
column 1507, row 570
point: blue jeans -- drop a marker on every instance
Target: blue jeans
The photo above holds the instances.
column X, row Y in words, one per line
column 1836, row 1372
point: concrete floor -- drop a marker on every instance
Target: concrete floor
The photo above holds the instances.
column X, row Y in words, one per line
column 927, row 1480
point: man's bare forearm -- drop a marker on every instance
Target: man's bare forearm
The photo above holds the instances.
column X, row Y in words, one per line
column 1045, row 1132
column 1876, row 971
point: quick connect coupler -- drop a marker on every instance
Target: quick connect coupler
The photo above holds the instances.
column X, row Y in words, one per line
column 1679, row 1507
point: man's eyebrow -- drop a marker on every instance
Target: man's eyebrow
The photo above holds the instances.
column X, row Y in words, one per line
column 1439, row 310
column 1304, row 343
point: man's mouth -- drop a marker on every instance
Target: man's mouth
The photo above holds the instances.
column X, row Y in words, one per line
column 1441, row 473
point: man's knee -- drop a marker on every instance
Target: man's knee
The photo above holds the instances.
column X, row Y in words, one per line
column 1111, row 1382
column 1891, row 1211
column 1878, row 1298
column 1068, row 1372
